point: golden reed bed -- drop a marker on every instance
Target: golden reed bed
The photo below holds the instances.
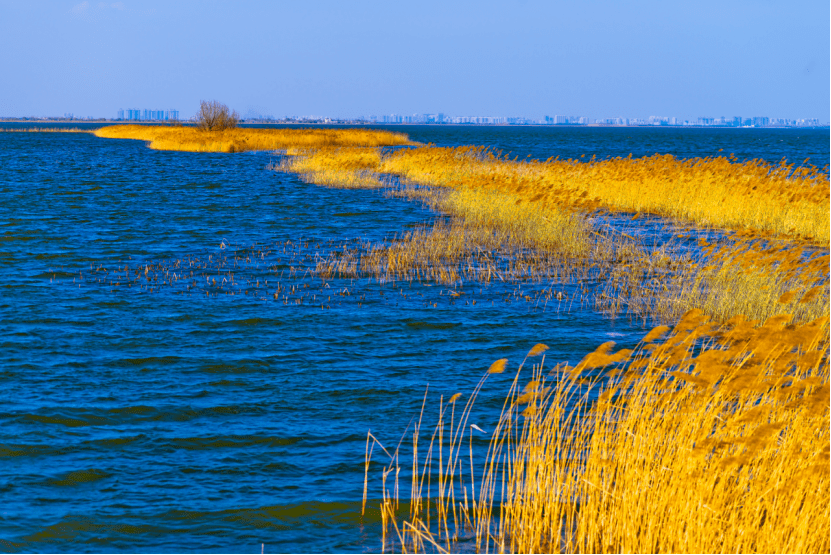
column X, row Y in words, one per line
column 241, row 139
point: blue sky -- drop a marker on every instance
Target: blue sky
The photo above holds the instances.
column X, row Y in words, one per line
column 525, row 58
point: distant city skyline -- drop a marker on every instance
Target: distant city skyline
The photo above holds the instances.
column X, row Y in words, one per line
column 596, row 59
column 439, row 118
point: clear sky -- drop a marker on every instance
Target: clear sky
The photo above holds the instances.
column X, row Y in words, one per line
column 350, row 58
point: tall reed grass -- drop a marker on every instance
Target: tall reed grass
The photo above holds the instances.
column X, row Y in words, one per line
column 191, row 139
column 714, row 440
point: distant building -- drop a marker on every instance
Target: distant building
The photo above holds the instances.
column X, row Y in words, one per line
column 148, row 115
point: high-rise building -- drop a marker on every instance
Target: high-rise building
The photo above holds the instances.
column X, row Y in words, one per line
column 148, row 115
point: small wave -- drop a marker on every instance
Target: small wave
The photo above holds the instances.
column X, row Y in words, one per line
column 432, row 326
column 147, row 360
column 9, row 451
column 240, row 367
column 78, row 477
column 224, row 442
column 89, row 420
column 255, row 322
column 78, row 417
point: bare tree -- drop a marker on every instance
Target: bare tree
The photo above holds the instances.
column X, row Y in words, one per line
column 215, row 116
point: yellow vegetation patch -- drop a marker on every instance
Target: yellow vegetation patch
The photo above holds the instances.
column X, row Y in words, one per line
column 718, row 192
column 341, row 167
column 240, row 139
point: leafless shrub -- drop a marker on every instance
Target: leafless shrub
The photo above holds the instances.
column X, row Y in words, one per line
column 215, row 116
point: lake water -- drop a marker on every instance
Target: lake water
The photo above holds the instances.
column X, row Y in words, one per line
column 143, row 407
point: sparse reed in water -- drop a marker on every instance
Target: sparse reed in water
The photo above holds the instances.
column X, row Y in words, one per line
column 45, row 130
column 757, row 278
column 714, row 440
